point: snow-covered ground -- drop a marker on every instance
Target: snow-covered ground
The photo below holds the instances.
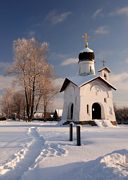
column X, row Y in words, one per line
column 42, row 151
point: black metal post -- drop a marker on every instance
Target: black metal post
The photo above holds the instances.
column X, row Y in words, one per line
column 71, row 131
column 78, row 134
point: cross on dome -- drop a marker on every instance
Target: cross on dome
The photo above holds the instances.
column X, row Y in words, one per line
column 103, row 61
column 85, row 37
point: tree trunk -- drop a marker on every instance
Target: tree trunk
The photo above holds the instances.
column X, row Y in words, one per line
column 45, row 111
column 33, row 100
column 37, row 104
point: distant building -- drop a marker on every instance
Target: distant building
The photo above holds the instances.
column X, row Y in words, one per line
column 38, row 115
column 88, row 97
column 59, row 112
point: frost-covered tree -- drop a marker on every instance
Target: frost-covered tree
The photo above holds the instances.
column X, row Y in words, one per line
column 13, row 104
column 6, row 103
column 45, row 94
column 31, row 69
column 18, row 104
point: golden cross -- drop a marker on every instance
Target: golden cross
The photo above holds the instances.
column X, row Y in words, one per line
column 85, row 37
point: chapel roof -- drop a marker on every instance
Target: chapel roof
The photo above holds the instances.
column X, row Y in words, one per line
column 81, row 81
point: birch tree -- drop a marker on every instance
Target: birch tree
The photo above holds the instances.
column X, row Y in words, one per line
column 31, row 66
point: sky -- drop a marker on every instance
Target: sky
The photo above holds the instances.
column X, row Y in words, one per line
column 61, row 24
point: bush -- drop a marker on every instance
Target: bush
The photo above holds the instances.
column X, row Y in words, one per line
column 2, row 118
column 121, row 115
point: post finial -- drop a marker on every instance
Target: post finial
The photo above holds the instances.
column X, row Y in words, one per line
column 85, row 37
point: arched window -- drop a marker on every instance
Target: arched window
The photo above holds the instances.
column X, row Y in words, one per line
column 105, row 100
column 105, row 76
column 87, row 109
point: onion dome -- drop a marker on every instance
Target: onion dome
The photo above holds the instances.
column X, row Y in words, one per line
column 87, row 54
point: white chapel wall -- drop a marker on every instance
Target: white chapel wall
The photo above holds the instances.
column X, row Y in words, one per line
column 71, row 95
column 96, row 92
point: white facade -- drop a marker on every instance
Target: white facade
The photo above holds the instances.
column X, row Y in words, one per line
column 96, row 92
column 88, row 101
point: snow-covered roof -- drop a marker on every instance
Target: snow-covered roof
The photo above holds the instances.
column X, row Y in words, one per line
column 87, row 49
column 80, row 81
column 105, row 68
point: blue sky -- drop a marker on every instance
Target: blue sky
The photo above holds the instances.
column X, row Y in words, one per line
column 62, row 23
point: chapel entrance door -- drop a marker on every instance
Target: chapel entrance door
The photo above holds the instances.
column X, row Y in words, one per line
column 96, row 111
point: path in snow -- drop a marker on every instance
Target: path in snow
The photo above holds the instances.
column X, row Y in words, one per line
column 24, row 158
column 28, row 157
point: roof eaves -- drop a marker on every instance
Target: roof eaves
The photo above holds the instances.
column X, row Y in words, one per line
column 65, row 84
column 107, row 83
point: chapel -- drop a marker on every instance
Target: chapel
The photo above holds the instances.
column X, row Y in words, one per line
column 88, row 96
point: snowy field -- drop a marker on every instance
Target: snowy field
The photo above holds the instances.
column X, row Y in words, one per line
column 42, row 151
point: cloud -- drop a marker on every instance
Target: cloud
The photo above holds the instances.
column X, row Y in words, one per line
column 126, row 60
column 69, row 61
column 121, row 11
column 120, row 81
column 102, row 30
column 58, row 82
column 56, row 18
column 4, row 65
column 31, row 33
column 6, row 82
column 98, row 12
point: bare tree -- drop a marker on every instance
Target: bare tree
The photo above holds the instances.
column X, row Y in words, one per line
column 13, row 104
column 31, row 68
column 45, row 94
column 6, row 105
column 18, row 104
